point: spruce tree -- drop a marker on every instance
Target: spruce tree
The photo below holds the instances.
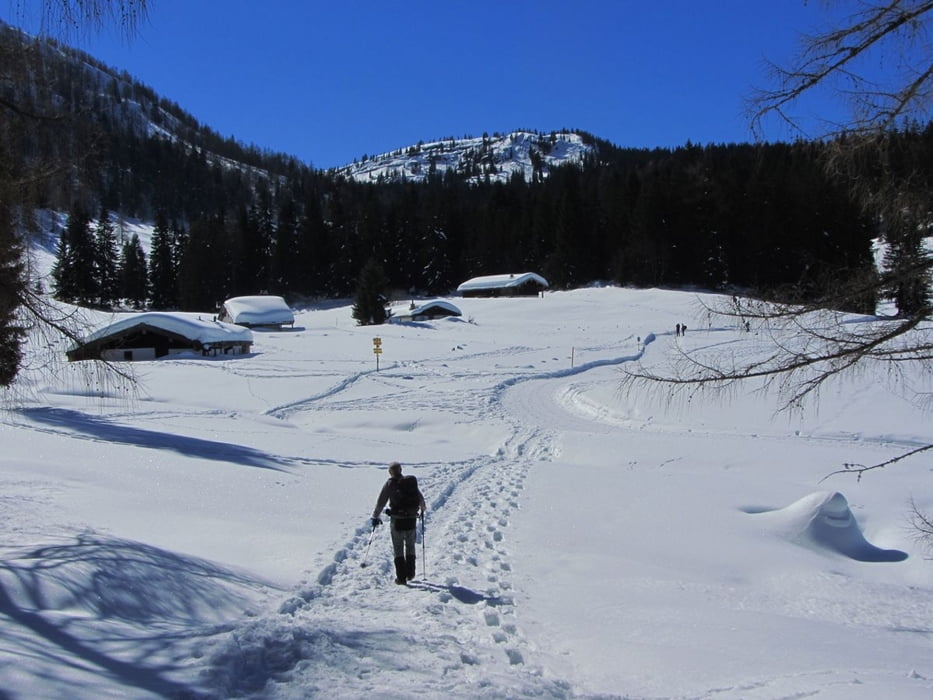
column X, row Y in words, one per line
column 203, row 270
column 12, row 282
column 315, row 252
column 74, row 270
column 907, row 269
column 105, row 249
column 369, row 306
column 133, row 274
column 285, row 263
column 162, row 277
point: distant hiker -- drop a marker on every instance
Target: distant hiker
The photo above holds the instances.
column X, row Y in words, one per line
column 677, row 330
column 405, row 505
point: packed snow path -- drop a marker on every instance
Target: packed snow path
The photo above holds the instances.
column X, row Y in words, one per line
column 351, row 622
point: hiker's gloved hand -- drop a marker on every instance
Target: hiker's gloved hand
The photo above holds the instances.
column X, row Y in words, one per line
column 376, row 522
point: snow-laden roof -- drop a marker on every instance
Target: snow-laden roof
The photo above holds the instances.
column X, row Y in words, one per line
column 187, row 325
column 501, row 281
column 437, row 303
column 259, row 310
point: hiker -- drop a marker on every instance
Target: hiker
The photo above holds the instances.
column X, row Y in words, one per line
column 405, row 505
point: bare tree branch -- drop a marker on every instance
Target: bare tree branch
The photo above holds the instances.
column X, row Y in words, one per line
column 879, row 60
column 859, row 469
column 891, row 28
column 922, row 524
column 822, row 348
column 69, row 17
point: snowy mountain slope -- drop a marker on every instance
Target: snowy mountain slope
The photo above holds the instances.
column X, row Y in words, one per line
column 206, row 537
column 496, row 159
column 81, row 90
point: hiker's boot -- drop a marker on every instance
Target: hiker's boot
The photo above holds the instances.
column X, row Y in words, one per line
column 400, row 570
column 410, row 566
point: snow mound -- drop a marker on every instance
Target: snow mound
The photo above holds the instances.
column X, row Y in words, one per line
column 825, row 521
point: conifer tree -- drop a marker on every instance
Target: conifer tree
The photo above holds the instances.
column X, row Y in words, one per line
column 369, row 307
column 105, row 247
column 162, row 277
column 906, row 268
column 203, row 271
column 12, row 278
column 315, row 251
column 74, row 270
column 285, row 271
column 133, row 273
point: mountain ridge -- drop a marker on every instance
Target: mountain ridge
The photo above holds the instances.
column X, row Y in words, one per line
column 115, row 96
column 497, row 158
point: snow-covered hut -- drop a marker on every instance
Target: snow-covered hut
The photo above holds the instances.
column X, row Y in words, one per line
column 150, row 335
column 261, row 310
column 524, row 284
column 427, row 311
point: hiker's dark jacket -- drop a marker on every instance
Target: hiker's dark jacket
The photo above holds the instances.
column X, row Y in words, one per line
column 386, row 494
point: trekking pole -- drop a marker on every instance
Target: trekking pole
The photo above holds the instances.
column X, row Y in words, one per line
column 424, row 558
column 366, row 553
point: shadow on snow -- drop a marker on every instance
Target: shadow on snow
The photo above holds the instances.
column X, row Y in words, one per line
column 464, row 595
column 100, row 429
column 153, row 605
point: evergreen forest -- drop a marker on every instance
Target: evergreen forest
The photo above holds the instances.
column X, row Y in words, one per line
column 232, row 219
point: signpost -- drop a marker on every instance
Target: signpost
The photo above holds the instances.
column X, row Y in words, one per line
column 377, row 350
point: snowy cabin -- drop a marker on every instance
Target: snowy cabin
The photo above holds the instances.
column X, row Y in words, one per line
column 257, row 311
column 151, row 335
column 427, row 312
column 525, row 284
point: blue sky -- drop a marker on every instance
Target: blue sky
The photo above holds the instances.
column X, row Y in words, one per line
column 331, row 81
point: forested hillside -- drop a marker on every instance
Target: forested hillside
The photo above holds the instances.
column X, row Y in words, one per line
column 232, row 219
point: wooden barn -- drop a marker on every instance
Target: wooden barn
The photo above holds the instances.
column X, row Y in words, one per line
column 148, row 336
column 524, row 284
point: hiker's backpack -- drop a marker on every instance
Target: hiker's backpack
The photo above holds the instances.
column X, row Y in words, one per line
column 404, row 498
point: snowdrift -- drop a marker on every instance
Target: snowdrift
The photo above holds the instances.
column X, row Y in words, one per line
column 824, row 520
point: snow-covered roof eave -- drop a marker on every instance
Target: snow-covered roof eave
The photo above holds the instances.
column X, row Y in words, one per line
column 502, row 281
column 437, row 303
column 185, row 325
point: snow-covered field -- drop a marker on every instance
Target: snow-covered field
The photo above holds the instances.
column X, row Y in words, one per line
column 204, row 536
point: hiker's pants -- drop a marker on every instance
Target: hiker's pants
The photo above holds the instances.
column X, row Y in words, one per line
column 403, row 541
